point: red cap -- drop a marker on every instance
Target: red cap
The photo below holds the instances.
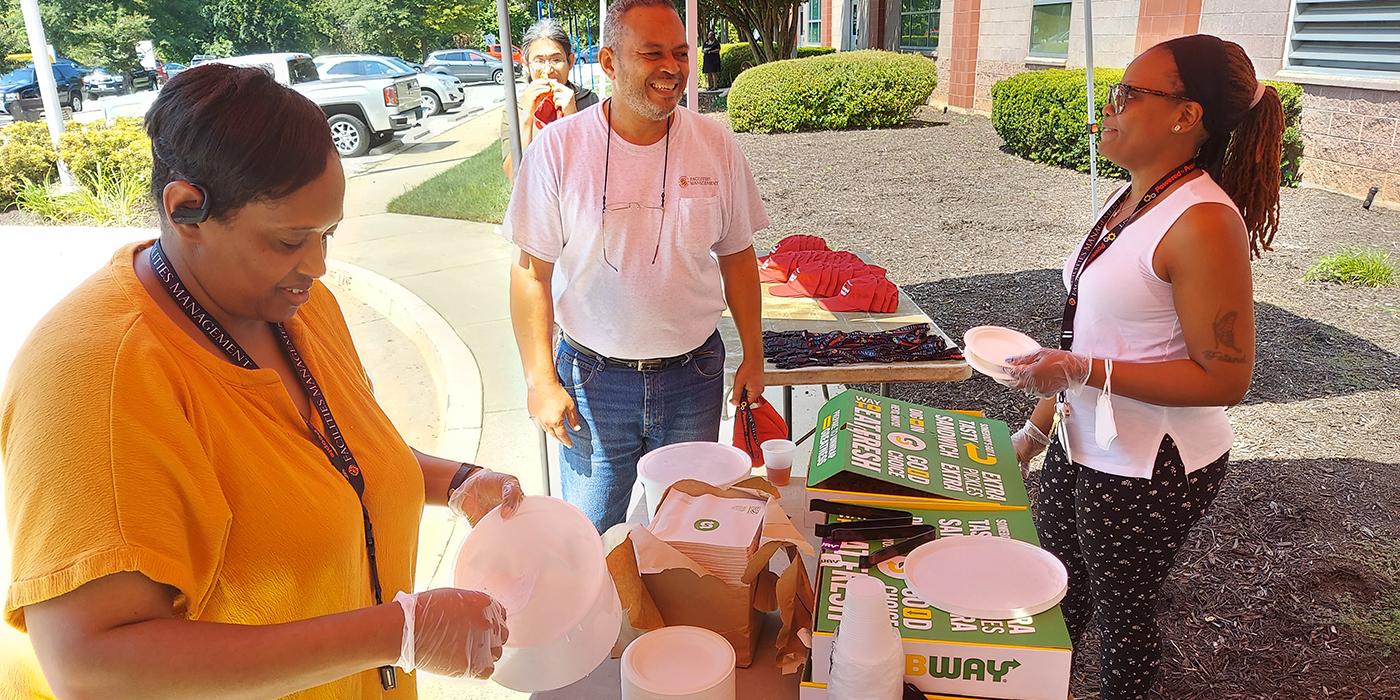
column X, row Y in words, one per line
column 767, row 425
column 869, row 293
column 847, row 272
column 801, row 242
column 810, row 279
column 779, row 267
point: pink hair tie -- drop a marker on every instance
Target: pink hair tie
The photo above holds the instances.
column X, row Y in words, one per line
column 1258, row 95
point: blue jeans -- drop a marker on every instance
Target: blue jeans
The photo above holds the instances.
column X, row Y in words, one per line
column 625, row 414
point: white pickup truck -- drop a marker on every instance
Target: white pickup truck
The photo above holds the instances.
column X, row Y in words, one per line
column 362, row 112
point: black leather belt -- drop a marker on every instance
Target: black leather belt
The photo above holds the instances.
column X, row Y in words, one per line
column 653, row 365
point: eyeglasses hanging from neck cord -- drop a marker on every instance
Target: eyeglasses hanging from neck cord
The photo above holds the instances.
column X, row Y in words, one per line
column 665, row 165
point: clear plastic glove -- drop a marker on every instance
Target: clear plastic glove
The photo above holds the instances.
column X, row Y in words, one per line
column 484, row 490
column 451, row 632
column 1046, row 372
column 1028, row 442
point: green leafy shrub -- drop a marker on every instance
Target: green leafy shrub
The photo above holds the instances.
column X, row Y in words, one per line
column 1360, row 268
column 737, row 58
column 848, row 90
column 25, row 154
column 120, row 149
column 103, row 198
column 1041, row 117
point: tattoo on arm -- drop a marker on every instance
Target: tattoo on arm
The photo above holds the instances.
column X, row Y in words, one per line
column 1225, row 339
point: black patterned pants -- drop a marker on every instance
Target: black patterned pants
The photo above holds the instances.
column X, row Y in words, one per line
column 1118, row 537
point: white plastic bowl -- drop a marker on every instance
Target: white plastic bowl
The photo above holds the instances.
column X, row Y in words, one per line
column 546, row 566
column 675, row 663
column 714, row 463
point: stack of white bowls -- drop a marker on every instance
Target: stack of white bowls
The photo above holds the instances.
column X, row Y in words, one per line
column 987, row 347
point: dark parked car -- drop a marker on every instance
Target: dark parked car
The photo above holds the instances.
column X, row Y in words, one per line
column 470, row 66
column 19, row 91
column 102, row 82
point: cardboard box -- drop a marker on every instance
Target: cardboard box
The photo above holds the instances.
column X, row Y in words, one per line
column 872, row 448
column 1026, row 659
column 812, row 690
column 659, row 586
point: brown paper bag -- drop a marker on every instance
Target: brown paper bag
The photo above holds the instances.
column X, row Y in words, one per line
column 661, row 586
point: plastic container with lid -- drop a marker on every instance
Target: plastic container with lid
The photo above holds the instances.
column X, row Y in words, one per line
column 711, row 462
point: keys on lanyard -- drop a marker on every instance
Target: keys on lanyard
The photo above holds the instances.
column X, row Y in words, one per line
column 332, row 443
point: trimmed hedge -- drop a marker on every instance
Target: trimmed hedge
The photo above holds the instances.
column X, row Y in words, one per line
column 119, row 150
column 848, row 90
column 1040, row 115
column 737, row 58
column 25, row 154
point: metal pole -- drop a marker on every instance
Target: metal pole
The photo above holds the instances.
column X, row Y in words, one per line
column 1093, row 113
column 512, row 111
column 692, row 36
column 48, row 89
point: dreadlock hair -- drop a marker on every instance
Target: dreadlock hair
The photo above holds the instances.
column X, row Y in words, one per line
column 1244, row 139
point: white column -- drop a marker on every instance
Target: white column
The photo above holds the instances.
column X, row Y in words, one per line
column 48, row 89
column 1092, row 112
column 692, row 35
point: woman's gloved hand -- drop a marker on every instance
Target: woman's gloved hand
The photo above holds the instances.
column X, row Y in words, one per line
column 484, row 490
column 451, row 632
column 1028, row 442
column 1047, row 372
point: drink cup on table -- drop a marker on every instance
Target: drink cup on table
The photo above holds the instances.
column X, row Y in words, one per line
column 777, row 460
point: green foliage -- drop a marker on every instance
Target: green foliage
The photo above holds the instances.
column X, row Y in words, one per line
column 103, row 198
column 475, row 190
column 258, row 26
column 121, row 149
column 1040, row 115
column 1360, row 268
column 220, row 47
column 110, row 40
column 25, row 154
column 737, row 58
column 850, row 90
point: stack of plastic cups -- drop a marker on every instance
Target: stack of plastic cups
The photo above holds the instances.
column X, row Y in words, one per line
column 867, row 662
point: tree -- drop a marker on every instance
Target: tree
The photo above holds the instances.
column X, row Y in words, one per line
column 770, row 26
column 256, row 26
column 111, row 41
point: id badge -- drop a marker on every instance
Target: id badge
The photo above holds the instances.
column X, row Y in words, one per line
column 1060, row 428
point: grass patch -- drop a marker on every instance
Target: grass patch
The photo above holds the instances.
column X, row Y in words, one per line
column 474, row 190
column 1380, row 620
column 102, row 198
column 1361, row 268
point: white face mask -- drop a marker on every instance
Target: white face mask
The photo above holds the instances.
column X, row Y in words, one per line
column 1105, row 430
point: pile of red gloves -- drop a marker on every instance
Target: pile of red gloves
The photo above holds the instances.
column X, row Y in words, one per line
column 837, row 279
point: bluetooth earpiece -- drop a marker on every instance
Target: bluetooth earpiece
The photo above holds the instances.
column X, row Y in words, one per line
column 193, row 215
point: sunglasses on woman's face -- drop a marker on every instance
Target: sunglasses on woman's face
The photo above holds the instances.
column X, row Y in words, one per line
column 1119, row 94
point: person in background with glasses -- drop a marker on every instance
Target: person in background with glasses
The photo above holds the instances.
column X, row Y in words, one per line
column 204, row 498
column 1157, row 338
column 549, row 55
column 635, row 225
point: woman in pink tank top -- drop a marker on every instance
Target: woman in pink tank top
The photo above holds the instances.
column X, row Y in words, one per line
column 1156, row 341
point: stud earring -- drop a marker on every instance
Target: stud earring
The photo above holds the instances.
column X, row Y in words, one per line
column 1176, row 128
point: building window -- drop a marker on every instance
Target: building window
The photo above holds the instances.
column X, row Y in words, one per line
column 814, row 22
column 1050, row 29
column 1346, row 37
column 918, row 25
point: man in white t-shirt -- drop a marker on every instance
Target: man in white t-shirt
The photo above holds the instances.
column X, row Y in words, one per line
column 635, row 224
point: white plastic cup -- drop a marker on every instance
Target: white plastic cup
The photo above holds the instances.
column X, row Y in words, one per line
column 865, row 619
column 714, row 463
column 867, row 661
column 678, row 663
column 777, row 459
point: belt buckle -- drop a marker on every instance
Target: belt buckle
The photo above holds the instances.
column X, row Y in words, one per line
column 648, row 365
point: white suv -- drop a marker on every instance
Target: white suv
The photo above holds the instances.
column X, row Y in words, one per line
column 441, row 93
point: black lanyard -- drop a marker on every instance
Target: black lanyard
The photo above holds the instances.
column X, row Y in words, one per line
column 1094, row 245
column 332, row 443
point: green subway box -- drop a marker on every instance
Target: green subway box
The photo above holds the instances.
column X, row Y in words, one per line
column 1028, row 658
column 871, row 449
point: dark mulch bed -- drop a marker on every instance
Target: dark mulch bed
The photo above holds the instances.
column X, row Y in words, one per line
column 1275, row 594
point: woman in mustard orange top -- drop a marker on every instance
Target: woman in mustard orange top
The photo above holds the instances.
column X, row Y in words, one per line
column 203, row 496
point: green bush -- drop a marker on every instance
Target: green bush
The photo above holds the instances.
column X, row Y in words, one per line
column 120, row 150
column 103, row 198
column 1360, row 268
column 25, row 154
column 737, row 58
column 1040, row 115
column 849, row 90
